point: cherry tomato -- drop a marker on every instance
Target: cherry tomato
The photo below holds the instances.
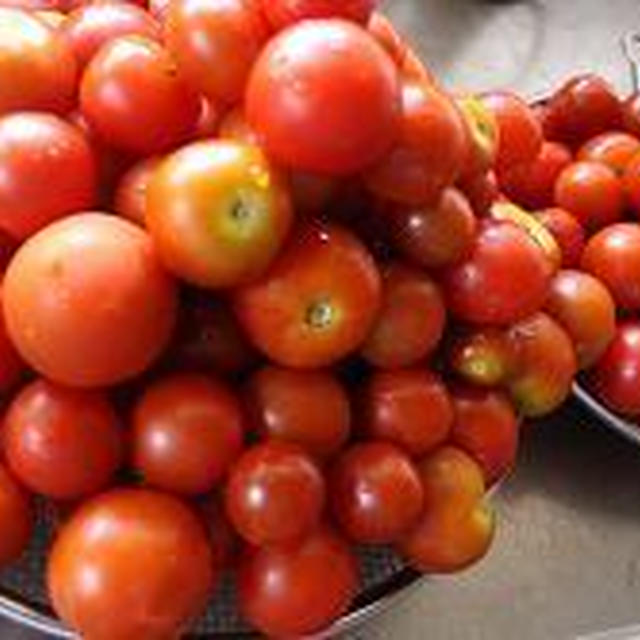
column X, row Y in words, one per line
column 216, row 44
column 567, row 231
column 613, row 256
column 631, row 114
column 218, row 213
column 12, row 366
column 485, row 426
column 532, row 185
column 275, row 494
column 130, row 76
column 318, row 301
column 330, row 109
column 282, row 13
column 510, row 270
column 62, row 443
column 35, row 148
column 410, row 408
column 307, row 408
column 37, row 67
column 16, row 518
column 429, row 152
column 86, row 302
column 614, row 149
column 130, row 563
column 130, row 200
column 187, row 432
column 376, row 494
column 631, row 184
column 298, row 592
column 482, row 136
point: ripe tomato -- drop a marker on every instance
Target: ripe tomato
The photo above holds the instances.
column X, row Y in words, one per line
column 34, row 148
column 376, row 494
column 148, row 562
column 16, row 518
column 482, row 136
column 12, row 366
column 187, row 432
column 592, row 192
column 429, row 152
column 298, row 592
column 92, row 25
column 133, row 75
column 324, row 96
column 62, row 443
column 282, row 13
column 275, row 494
column 614, row 149
column 218, row 213
column 307, row 408
column 410, row 408
column 318, row 301
column 37, row 67
column 510, row 270
column 631, row 184
column 567, row 231
column 86, row 302
column 613, row 256
column 130, row 199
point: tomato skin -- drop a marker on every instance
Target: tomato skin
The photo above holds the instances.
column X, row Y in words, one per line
column 218, row 213
column 568, row 233
column 55, row 319
column 130, row 199
column 146, row 552
column 282, row 13
column 631, row 184
column 188, row 430
column 346, row 98
column 615, row 149
column 300, row 591
column 16, row 518
column 318, row 301
column 307, row 408
column 133, row 75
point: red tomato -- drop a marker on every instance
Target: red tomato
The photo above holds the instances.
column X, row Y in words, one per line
column 510, row 270
column 631, row 184
column 37, row 67
column 16, row 518
column 35, row 148
column 215, row 43
column 62, row 443
column 532, row 185
column 130, row 199
column 86, row 302
column 410, row 408
column 324, row 96
column 592, row 192
column 613, row 256
column 282, row 13
column 130, row 76
column 411, row 321
column 307, row 408
column 318, row 301
column 614, row 149
column 567, row 232
column 429, row 152
column 148, row 562
column 275, row 494
column 300, row 591
column 187, row 432
column 218, row 213
column 376, row 494
column 12, row 366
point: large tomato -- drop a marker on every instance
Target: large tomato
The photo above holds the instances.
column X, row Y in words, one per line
column 16, row 518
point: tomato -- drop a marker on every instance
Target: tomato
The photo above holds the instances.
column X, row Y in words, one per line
column 631, row 114
column 307, row 408
column 218, row 213
column 130, row 563
column 631, row 184
column 275, row 494
column 62, row 443
column 133, row 75
column 482, row 137
column 91, row 26
column 282, row 13
column 187, row 432
column 376, row 494
column 592, row 192
column 86, row 302
column 567, row 231
column 37, row 67
column 435, row 236
column 317, row 303
column 532, row 185
column 519, row 132
column 12, row 367
column 300, row 591
column 614, row 149
column 583, row 107
column 613, row 256
column 130, row 199
column 510, row 270
column 481, row 191
column 486, row 427
column 324, row 96
column 34, row 147
column 410, row 408
column 216, row 44
column 429, row 152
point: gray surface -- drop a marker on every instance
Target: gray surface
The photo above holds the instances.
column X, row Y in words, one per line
column 567, row 558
